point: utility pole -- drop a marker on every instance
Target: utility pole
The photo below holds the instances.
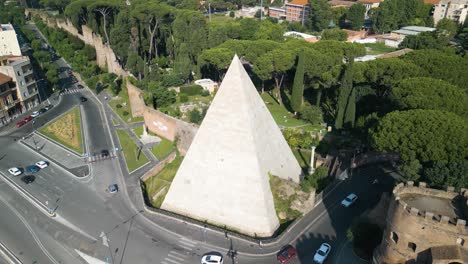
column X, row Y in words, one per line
column 303, row 14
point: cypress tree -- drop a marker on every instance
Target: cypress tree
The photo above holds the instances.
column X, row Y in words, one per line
column 298, row 86
column 350, row 114
column 344, row 92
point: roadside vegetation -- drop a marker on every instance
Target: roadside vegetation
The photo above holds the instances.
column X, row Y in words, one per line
column 66, row 130
column 134, row 157
column 365, row 237
column 161, row 149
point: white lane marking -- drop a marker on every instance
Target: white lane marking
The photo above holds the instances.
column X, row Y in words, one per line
column 175, row 257
column 171, row 260
column 39, row 243
column 177, row 253
column 187, row 243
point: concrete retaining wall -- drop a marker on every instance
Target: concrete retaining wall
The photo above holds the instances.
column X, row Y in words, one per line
column 156, row 169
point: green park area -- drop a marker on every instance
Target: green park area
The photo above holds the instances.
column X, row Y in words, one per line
column 121, row 105
column 133, row 155
column 160, row 150
column 66, row 130
column 158, row 185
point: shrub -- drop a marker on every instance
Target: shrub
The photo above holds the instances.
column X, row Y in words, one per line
column 191, row 89
column 205, row 93
column 125, row 113
column 183, row 98
column 195, row 116
column 172, row 80
column 312, row 114
column 118, row 105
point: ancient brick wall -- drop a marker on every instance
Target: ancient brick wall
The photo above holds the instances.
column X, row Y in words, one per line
column 156, row 169
column 137, row 103
column 411, row 232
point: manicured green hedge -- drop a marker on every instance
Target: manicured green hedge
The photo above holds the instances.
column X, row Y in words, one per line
column 191, row 90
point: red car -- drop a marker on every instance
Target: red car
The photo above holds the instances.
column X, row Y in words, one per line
column 286, row 254
column 20, row 123
column 27, row 119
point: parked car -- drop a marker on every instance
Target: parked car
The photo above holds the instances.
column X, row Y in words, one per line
column 42, row 110
column 349, row 200
column 28, row 179
column 113, row 188
column 48, row 107
column 80, row 86
column 20, row 123
column 322, row 253
column 15, row 171
column 42, row 164
column 212, row 258
column 35, row 114
column 32, row 169
column 286, row 254
column 27, row 118
column 83, row 99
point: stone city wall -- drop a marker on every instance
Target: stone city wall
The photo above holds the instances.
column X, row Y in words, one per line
column 411, row 232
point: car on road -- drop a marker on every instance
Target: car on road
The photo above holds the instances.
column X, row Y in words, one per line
column 104, row 153
column 113, row 188
column 83, row 99
column 42, row 110
column 286, row 254
column 80, row 86
column 35, row 114
column 28, row 118
column 48, row 107
column 15, row 171
column 42, row 164
column 28, row 179
column 212, row 258
column 20, row 123
column 32, row 169
column 349, row 200
column 322, row 253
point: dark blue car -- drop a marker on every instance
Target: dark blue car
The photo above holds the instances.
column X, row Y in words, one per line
column 32, row 168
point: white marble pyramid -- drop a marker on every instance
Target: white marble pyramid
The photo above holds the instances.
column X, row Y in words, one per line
column 224, row 178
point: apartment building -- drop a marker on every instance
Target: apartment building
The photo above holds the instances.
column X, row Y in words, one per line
column 20, row 70
column 455, row 10
column 369, row 4
column 296, row 10
column 9, row 45
column 9, row 102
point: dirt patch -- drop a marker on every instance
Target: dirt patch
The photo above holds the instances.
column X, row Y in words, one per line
column 66, row 130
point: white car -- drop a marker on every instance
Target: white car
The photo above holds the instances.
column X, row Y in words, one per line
column 349, row 200
column 212, row 258
column 322, row 253
column 35, row 114
column 42, row 164
column 15, row 171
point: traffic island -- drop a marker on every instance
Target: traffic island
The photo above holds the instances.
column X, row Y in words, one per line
column 66, row 130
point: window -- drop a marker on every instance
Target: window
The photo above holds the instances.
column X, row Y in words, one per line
column 412, row 246
column 394, row 237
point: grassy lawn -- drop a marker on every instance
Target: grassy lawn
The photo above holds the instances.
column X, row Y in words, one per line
column 124, row 111
column 130, row 150
column 378, row 48
column 66, row 130
column 155, row 184
column 162, row 148
column 280, row 113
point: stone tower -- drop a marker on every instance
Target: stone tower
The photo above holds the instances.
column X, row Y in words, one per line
column 425, row 226
column 224, row 178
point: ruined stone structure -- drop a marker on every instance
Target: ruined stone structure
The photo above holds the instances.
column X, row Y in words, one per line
column 425, row 226
column 224, row 178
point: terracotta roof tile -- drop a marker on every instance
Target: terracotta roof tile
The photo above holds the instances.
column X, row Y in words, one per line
column 299, row 2
column 370, row 1
column 432, row 2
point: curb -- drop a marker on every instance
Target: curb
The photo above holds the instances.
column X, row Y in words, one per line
column 8, row 254
column 28, row 196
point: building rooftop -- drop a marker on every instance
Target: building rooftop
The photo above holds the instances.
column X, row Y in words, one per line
column 436, row 205
column 298, row 34
column 419, row 28
column 298, row 2
column 432, row 2
column 277, row 8
column 4, row 78
column 370, row 1
column 341, row 3
column 6, row 27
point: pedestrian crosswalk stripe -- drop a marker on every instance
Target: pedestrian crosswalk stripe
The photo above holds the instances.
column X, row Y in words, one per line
column 171, row 260
column 187, row 243
column 176, row 253
column 175, row 257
